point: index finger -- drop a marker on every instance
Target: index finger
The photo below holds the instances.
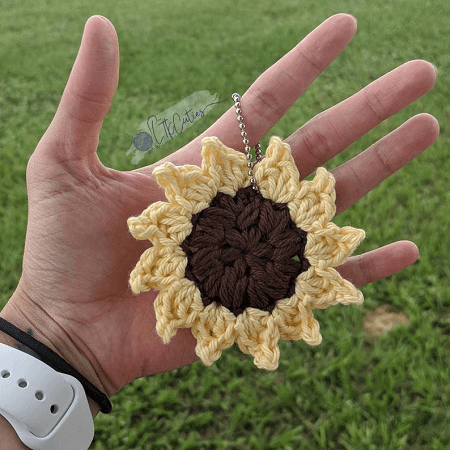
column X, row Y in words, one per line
column 275, row 90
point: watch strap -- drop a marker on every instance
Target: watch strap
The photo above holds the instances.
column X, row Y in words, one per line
column 49, row 410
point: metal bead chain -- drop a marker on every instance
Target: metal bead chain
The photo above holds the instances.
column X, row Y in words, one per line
column 248, row 155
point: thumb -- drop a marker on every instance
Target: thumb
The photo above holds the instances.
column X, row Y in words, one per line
column 75, row 129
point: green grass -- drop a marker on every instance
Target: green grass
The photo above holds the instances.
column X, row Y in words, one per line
column 350, row 392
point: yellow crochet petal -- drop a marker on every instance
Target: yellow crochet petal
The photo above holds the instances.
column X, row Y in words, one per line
column 162, row 223
column 296, row 321
column 190, row 189
column 186, row 186
column 277, row 175
column 158, row 267
column 320, row 288
column 177, row 306
column 330, row 246
column 225, row 166
column 214, row 331
column 315, row 201
column 257, row 334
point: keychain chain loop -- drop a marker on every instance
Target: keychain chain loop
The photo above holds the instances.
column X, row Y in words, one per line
column 237, row 104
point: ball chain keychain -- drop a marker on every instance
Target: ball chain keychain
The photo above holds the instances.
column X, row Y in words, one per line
column 250, row 165
column 243, row 251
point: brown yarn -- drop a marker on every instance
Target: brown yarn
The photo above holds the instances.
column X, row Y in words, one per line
column 240, row 252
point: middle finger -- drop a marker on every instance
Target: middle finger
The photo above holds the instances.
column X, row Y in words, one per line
column 333, row 130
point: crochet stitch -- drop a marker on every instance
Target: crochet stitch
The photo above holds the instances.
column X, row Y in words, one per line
column 240, row 252
column 240, row 266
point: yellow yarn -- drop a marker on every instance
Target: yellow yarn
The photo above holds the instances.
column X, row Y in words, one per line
column 189, row 189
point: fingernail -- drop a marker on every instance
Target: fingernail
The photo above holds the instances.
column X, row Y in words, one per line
column 435, row 68
column 105, row 20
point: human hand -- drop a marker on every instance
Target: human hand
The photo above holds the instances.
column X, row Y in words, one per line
column 74, row 290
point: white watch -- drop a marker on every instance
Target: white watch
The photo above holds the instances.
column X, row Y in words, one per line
column 49, row 410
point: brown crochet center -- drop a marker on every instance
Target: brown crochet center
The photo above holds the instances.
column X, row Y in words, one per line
column 240, row 252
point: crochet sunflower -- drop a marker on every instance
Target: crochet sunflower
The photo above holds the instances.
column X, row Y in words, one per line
column 237, row 265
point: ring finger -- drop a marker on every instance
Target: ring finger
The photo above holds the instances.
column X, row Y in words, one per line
column 357, row 177
column 332, row 131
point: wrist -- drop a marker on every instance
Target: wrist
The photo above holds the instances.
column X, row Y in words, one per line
column 42, row 328
column 8, row 435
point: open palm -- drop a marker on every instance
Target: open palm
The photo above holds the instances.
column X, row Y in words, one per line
column 79, row 252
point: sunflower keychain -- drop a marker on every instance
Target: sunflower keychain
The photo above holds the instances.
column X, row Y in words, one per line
column 243, row 251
